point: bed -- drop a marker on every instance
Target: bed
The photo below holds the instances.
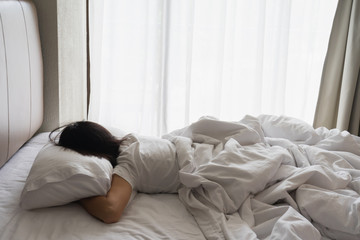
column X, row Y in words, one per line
column 264, row 177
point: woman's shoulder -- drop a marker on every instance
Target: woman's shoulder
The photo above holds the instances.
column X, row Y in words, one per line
column 127, row 140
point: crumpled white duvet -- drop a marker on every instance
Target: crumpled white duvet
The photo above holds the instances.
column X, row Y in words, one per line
column 269, row 177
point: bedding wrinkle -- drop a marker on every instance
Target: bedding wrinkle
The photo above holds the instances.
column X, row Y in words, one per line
column 344, row 214
column 265, row 182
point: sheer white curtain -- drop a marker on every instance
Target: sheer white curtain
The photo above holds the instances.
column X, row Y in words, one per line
column 158, row 65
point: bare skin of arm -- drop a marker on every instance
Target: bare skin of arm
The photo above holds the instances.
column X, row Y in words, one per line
column 110, row 207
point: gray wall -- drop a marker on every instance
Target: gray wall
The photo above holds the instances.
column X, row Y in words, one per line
column 62, row 25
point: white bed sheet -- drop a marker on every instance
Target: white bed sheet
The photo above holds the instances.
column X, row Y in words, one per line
column 160, row 216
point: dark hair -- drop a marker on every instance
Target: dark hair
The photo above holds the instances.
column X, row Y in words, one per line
column 88, row 138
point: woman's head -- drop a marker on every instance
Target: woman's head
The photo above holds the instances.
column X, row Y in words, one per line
column 89, row 138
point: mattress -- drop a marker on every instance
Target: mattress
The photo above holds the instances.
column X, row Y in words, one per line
column 155, row 216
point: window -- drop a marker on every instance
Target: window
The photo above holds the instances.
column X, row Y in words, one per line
column 159, row 65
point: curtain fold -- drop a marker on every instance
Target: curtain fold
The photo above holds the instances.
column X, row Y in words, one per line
column 159, row 65
column 95, row 41
column 338, row 103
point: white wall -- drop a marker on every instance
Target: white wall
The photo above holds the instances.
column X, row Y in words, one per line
column 62, row 25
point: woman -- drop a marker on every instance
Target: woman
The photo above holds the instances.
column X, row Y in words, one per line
column 134, row 166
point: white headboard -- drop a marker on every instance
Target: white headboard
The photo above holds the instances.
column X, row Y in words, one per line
column 21, row 76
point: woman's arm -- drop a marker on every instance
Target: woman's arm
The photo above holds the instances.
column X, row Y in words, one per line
column 110, row 207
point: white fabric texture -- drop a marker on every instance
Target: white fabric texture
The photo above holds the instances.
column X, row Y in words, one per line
column 60, row 176
column 163, row 64
column 289, row 182
column 148, row 164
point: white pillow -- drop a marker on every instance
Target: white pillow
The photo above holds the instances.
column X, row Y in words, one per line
column 289, row 128
column 60, row 176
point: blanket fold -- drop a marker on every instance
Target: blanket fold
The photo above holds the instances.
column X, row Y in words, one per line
column 269, row 178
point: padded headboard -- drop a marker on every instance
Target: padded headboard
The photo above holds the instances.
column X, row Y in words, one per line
column 21, row 76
